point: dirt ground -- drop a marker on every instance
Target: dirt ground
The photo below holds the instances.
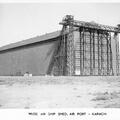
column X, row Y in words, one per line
column 60, row 92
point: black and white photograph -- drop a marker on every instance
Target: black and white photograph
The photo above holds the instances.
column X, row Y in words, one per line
column 59, row 55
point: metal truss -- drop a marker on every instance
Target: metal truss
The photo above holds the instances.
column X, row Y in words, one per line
column 117, row 53
column 59, row 59
column 91, row 54
column 92, row 25
column 63, row 57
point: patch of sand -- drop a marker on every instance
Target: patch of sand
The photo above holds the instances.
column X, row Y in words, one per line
column 59, row 92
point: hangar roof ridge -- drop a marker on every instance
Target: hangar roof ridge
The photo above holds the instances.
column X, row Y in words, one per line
column 40, row 38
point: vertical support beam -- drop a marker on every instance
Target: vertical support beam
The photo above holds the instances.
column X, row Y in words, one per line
column 117, row 52
column 98, row 53
column 65, row 56
column 93, row 53
column 107, row 54
column 83, row 49
column 101, row 56
column 91, row 71
column 85, row 67
column 70, row 52
column 111, row 58
column 81, row 69
column 59, row 60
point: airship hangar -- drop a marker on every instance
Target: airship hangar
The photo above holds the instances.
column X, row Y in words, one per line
column 79, row 49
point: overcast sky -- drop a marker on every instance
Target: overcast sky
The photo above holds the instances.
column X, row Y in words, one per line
column 20, row 21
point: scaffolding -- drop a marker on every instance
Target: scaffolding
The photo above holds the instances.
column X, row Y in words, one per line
column 89, row 54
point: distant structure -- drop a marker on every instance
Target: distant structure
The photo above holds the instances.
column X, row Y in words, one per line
column 80, row 48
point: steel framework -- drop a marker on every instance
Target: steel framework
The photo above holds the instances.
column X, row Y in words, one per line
column 89, row 54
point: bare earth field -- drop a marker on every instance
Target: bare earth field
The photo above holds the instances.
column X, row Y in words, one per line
column 60, row 92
